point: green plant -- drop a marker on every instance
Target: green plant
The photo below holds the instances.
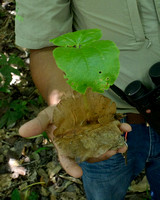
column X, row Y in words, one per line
column 86, row 60
column 38, row 101
column 86, row 122
column 28, row 195
column 7, row 69
column 148, row 194
column 33, row 196
column 15, row 195
column 15, row 110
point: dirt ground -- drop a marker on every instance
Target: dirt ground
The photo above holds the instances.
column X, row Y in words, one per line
column 29, row 168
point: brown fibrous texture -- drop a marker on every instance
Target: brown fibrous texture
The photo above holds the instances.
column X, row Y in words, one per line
column 87, row 126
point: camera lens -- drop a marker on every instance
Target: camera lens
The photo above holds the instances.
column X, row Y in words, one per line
column 154, row 73
column 135, row 90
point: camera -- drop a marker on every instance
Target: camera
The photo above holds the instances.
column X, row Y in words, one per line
column 144, row 99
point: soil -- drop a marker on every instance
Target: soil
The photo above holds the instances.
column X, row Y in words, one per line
column 29, row 168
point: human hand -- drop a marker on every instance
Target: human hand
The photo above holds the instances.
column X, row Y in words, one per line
column 43, row 122
column 124, row 127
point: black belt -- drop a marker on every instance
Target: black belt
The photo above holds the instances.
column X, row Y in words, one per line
column 133, row 118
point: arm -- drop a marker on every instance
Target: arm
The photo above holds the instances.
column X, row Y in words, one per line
column 52, row 85
column 49, row 80
column 47, row 77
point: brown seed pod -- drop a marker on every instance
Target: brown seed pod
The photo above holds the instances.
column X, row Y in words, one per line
column 87, row 126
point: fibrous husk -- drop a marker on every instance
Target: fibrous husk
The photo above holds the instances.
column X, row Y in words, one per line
column 86, row 126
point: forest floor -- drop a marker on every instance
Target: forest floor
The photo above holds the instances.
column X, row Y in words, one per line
column 29, row 168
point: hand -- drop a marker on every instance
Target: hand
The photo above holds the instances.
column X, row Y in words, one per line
column 43, row 122
column 124, row 128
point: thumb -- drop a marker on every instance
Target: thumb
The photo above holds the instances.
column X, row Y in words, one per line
column 124, row 127
column 37, row 125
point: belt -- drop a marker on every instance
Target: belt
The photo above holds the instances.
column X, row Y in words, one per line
column 133, row 118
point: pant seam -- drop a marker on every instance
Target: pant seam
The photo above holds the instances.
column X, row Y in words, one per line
column 150, row 144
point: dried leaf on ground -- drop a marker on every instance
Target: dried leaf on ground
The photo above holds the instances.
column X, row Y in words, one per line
column 142, row 186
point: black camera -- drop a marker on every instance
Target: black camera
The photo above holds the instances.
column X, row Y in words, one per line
column 146, row 100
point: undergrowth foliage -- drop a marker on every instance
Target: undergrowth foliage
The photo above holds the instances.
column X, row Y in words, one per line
column 6, row 70
column 15, row 109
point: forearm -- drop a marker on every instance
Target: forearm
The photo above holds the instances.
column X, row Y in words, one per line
column 48, row 78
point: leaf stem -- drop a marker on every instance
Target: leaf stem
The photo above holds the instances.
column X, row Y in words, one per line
column 77, row 46
column 32, row 185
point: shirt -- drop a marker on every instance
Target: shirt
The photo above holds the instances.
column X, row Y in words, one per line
column 134, row 25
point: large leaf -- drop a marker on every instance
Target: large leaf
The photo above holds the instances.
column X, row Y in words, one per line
column 77, row 38
column 95, row 65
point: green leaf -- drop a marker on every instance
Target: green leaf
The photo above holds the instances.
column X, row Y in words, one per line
column 19, row 106
column 41, row 149
column 77, row 38
column 3, row 120
column 17, row 109
column 95, row 65
column 3, row 60
column 33, row 196
column 5, row 89
column 15, row 195
column 6, row 72
column 45, row 135
column 4, row 103
column 13, row 59
column 9, row 119
column 40, row 100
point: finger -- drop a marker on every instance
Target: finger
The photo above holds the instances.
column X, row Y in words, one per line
column 125, row 127
column 37, row 125
column 104, row 156
column 31, row 128
column 122, row 149
column 108, row 154
column 70, row 166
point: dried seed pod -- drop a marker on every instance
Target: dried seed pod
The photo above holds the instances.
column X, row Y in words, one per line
column 86, row 126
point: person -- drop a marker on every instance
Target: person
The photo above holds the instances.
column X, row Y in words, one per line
column 135, row 28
